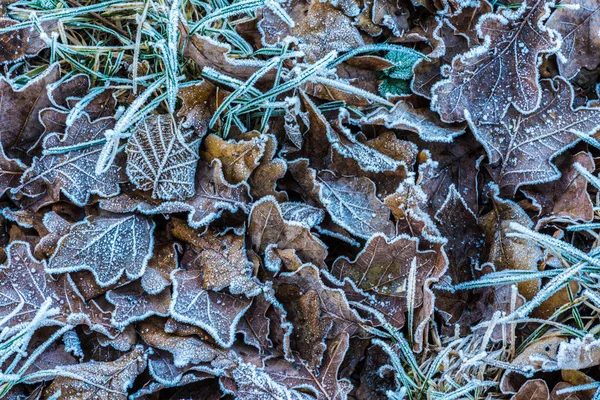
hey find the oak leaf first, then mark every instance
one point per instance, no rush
(522, 147)
(580, 41)
(483, 82)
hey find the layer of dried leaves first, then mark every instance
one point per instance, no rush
(325, 199)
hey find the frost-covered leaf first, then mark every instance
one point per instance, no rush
(522, 146)
(196, 110)
(316, 312)
(323, 382)
(134, 304)
(20, 43)
(239, 158)
(24, 280)
(302, 213)
(207, 52)
(487, 79)
(158, 274)
(352, 204)
(369, 158)
(97, 380)
(578, 23)
(273, 236)
(265, 317)
(567, 197)
(162, 159)
(19, 131)
(73, 171)
(422, 121)
(448, 37)
(10, 172)
(106, 246)
(218, 313)
(510, 252)
(221, 258)
(213, 196)
(445, 165)
(264, 179)
(382, 270)
(185, 349)
(320, 28)
(253, 383)
(579, 353)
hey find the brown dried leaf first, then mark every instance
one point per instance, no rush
(316, 312)
(510, 252)
(221, 258)
(239, 158)
(580, 41)
(486, 80)
(566, 198)
(21, 128)
(522, 147)
(20, 43)
(534, 389)
(271, 235)
(98, 380)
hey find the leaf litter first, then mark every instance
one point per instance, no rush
(291, 199)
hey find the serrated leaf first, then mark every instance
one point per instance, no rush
(486, 80)
(213, 196)
(73, 171)
(218, 313)
(422, 121)
(352, 204)
(109, 247)
(271, 235)
(162, 159)
(522, 147)
(239, 158)
(21, 128)
(134, 304)
(98, 380)
(579, 29)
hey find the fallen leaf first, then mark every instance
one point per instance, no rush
(106, 246)
(534, 389)
(106, 380)
(162, 159)
(239, 158)
(213, 196)
(483, 82)
(510, 252)
(71, 167)
(579, 42)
